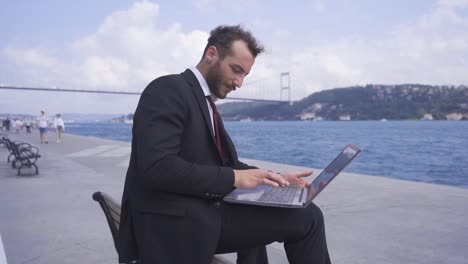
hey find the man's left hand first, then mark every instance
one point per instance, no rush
(296, 178)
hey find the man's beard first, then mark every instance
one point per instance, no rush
(214, 80)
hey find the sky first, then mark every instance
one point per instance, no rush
(122, 45)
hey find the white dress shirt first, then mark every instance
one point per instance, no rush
(206, 91)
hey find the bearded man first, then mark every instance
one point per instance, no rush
(183, 163)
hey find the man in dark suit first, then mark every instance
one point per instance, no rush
(183, 163)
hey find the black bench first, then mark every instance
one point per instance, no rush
(22, 155)
(2, 139)
(111, 211)
(8, 143)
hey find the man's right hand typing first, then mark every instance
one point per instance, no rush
(246, 179)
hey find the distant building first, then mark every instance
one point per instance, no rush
(316, 107)
(427, 117)
(345, 117)
(307, 116)
(454, 116)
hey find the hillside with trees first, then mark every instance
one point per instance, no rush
(370, 102)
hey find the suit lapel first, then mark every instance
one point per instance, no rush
(198, 92)
(200, 97)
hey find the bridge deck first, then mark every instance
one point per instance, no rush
(45, 89)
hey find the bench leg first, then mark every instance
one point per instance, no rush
(37, 169)
(28, 166)
(19, 169)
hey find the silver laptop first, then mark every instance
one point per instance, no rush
(294, 197)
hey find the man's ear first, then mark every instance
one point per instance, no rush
(211, 54)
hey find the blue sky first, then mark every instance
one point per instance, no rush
(123, 45)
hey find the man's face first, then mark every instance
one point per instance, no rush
(225, 75)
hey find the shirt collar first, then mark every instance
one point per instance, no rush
(203, 83)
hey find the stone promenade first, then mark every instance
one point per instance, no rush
(51, 218)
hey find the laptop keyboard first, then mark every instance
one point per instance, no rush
(281, 195)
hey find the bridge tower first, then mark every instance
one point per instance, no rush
(285, 85)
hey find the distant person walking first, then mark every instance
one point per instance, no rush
(59, 127)
(13, 125)
(27, 123)
(7, 124)
(17, 125)
(43, 124)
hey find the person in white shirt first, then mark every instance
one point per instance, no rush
(59, 127)
(15, 125)
(43, 124)
(27, 123)
(19, 125)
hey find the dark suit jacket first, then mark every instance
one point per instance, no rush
(176, 177)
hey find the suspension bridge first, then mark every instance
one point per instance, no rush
(257, 91)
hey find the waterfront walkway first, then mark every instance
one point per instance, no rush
(51, 217)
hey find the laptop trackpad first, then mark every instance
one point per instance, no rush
(249, 194)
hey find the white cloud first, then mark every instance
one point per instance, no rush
(434, 43)
(126, 52)
(454, 3)
(38, 67)
(122, 30)
(212, 7)
(31, 56)
(140, 49)
(130, 48)
(428, 50)
(110, 71)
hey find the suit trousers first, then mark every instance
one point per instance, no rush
(246, 227)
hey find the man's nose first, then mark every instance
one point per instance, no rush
(238, 81)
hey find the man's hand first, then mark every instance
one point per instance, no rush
(246, 179)
(295, 178)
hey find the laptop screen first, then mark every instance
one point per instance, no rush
(335, 167)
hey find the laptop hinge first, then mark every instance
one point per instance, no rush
(302, 194)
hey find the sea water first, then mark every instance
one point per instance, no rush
(425, 151)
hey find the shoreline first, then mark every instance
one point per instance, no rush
(373, 161)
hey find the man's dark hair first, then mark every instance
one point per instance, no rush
(222, 38)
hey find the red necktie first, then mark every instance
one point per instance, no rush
(216, 128)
